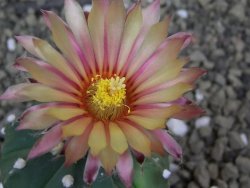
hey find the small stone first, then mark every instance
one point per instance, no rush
(217, 151)
(202, 176)
(173, 167)
(192, 185)
(67, 180)
(11, 44)
(87, 8)
(244, 181)
(229, 171)
(213, 171)
(202, 122)
(166, 173)
(238, 11)
(243, 164)
(19, 164)
(221, 184)
(205, 132)
(178, 127)
(235, 141)
(3, 131)
(197, 56)
(182, 13)
(244, 139)
(199, 96)
(233, 184)
(1, 185)
(224, 122)
(10, 118)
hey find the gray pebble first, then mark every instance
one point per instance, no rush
(217, 151)
(229, 171)
(213, 170)
(243, 164)
(202, 176)
(235, 140)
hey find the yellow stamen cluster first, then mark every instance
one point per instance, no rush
(106, 97)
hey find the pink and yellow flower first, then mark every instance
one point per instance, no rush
(108, 87)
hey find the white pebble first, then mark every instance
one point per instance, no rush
(19, 164)
(87, 8)
(178, 127)
(202, 122)
(182, 13)
(1, 185)
(213, 186)
(67, 180)
(244, 139)
(3, 131)
(166, 173)
(57, 149)
(11, 118)
(199, 96)
(11, 44)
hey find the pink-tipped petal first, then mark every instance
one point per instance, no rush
(151, 14)
(14, 93)
(47, 74)
(66, 42)
(46, 143)
(168, 143)
(43, 116)
(188, 112)
(78, 24)
(91, 169)
(188, 38)
(27, 43)
(124, 168)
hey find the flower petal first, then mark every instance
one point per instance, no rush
(124, 168)
(117, 139)
(46, 143)
(131, 30)
(97, 139)
(165, 95)
(45, 51)
(77, 23)
(164, 55)
(169, 144)
(170, 71)
(136, 139)
(153, 39)
(96, 20)
(148, 123)
(77, 127)
(91, 169)
(114, 26)
(38, 92)
(108, 158)
(45, 115)
(188, 112)
(151, 14)
(46, 74)
(66, 43)
(188, 36)
(77, 147)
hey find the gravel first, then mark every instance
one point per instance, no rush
(216, 149)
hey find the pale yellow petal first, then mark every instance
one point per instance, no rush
(132, 28)
(165, 95)
(136, 139)
(97, 138)
(170, 71)
(76, 128)
(148, 123)
(115, 25)
(44, 93)
(117, 139)
(153, 39)
(53, 57)
(108, 159)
